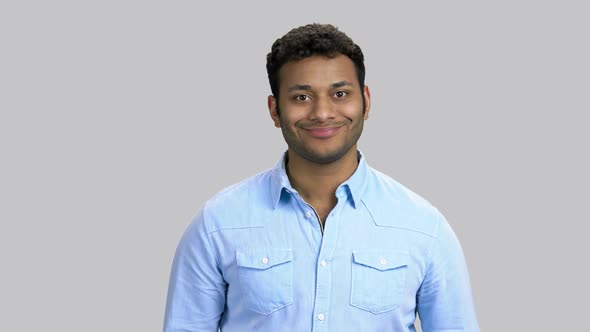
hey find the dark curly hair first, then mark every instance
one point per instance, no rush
(309, 40)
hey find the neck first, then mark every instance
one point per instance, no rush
(317, 183)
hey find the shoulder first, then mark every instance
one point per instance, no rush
(230, 207)
(393, 205)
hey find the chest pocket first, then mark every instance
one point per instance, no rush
(266, 278)
(378, 279)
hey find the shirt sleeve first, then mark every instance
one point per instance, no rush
(444, 300)
(196, 292)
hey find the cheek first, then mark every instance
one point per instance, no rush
(353, 112)
(286, 123)
(287, 118)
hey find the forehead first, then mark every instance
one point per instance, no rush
(317, 71)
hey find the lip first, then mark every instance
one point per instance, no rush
(322, 132)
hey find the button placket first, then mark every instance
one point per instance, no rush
(324, 271)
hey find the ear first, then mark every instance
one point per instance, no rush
(272, 109)
(367, 96)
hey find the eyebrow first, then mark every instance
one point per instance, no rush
(341, 84)
(307, 87)
(296, 87)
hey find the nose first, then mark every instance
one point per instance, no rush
(322, 110)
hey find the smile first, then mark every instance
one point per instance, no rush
(322, 132)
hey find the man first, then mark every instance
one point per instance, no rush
(320, 242)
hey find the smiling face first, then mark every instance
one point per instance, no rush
(321, 110)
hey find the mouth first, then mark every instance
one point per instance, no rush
(323, 132)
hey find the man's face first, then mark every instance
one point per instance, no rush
(321, 107)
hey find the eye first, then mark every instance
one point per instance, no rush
(302, 97)
(340, 94)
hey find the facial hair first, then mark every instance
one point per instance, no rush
(310, 154)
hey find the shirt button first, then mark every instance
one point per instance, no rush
(308, 214)
(383, 261)
(265, 260)
(323, 263)
(321, 317)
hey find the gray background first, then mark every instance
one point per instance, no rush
(120, 118)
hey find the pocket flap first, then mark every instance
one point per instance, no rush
(381, 259)
(263, 259)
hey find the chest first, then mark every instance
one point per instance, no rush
(288, 261)
(298, 238)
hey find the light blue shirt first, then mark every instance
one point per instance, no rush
(255, 258)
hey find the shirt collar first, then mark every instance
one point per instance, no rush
(353, 188)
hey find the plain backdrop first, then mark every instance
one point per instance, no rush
(119, 119)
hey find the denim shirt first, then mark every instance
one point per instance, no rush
(255, 258)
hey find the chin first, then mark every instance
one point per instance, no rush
(327, 157)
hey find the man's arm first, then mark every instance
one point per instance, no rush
(444, 300)
(196, 294)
